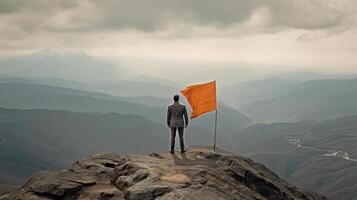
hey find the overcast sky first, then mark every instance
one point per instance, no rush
(306, 33)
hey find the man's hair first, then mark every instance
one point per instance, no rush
(176, 97)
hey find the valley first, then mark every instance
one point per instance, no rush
(311, 154)
(328, 152)
(90, 95)
(300, 125)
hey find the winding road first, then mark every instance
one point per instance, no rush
(340, 154)
(329, 152)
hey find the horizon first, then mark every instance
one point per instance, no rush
(158, 68)
(312, 35)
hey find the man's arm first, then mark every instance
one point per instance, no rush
(168, 116)
(186, 116)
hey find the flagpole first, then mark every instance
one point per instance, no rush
(215, 122)
(215, 131)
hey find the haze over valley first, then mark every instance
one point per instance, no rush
(52, 117)
(79, 78)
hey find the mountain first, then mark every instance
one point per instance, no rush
(56, 82)
(302, 75)
(317, 155)
(198, 174)
(229, 119)
(77, 66)
(315, 100)
(188, 71)
(148, 100)
(31, 96)
(33, 140)
(245, 92)
(134, 87)
(153, 79)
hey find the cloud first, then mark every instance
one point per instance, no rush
(153, 15)
(158, 15)
(266, 31)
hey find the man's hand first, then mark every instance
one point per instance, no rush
(186, 125)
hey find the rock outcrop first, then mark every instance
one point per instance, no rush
(5, 190)
(200, 173)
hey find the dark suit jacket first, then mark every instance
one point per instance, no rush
(176, 113)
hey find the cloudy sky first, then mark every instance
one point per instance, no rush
(319, 34)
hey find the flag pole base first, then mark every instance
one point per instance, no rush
(215, 131)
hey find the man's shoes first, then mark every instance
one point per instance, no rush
(183, 151)
(172, 152)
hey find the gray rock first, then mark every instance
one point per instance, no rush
(144, 191)
(200, 173)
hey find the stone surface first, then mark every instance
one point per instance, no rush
(200, 173)
(5, 190)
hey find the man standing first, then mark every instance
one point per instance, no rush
(176, 113)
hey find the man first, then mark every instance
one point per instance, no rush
(176, 113)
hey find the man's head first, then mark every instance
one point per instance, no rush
(176, 97)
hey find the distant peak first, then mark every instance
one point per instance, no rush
(59, 52)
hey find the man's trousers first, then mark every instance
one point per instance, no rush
(173, 136)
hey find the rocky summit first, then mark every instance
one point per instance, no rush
(200, 173)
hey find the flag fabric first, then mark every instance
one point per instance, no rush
(201, 97)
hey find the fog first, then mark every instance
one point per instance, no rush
(163, 38)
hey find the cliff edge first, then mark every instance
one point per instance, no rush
(200, 173)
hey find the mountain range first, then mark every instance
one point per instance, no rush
(57, 107)
(131, 87)
(33, 140)
(34, 96)
(49, 123)
(319, 155)
(274, 100)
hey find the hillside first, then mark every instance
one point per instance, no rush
(199, 174)
(33, 140)
(56, 82)
(314, 100)
(34, 96)
(321, 156)
(148, 100)
(268, 87)
(133, 87)
(246, 92)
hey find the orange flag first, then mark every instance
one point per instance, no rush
(201, 97)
